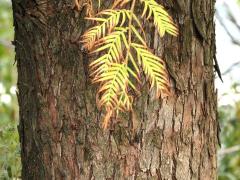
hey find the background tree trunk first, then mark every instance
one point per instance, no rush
(60, 126)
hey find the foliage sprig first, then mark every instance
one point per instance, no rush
(124, 53)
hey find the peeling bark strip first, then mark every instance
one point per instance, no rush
(60, 126)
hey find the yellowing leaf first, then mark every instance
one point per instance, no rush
(119, 39)
(98, 31)
(153, 67)
(162, 20)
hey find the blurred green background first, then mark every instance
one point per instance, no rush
(10, 167)
(227, 29)
(9, 142)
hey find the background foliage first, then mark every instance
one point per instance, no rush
(9, 146)
(229, 155)
(229, 114)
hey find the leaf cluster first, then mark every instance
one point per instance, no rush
(119, 40)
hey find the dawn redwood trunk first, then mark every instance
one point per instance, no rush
(60, 125)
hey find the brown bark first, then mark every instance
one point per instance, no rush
(60, 126)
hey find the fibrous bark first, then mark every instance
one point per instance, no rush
(60, 125)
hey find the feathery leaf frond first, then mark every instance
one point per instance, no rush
(113, 81)
(162, 20)
(113, 44)
(125, 101)
(120, 40)
(107, 24)
(153, 67)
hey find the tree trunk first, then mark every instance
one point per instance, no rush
(60, 125)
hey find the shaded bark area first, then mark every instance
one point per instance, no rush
(60, 125)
